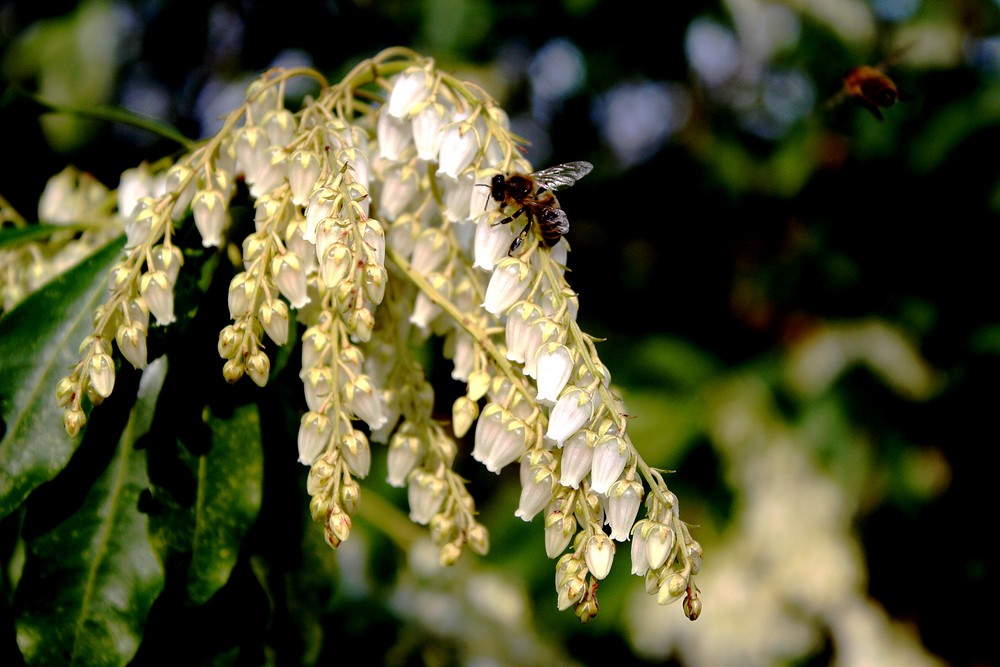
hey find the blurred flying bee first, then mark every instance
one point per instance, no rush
(532, 194)
(871, 88)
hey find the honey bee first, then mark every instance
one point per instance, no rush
(533, 195)
(870, 87)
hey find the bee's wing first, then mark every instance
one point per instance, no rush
(562, 175)
(557, 218)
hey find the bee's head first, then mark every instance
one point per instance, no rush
(498, 187)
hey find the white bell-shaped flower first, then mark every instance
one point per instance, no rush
(559, 530)
(314, 433)
(509, 281)
(459, 145)
(405, 451)
(321, 205)
(659, 544)
(356, 452)
(457, 195)
(134, 184)
(640, 561)
(536, 484)
(577, 458)
(426, 494)
(500, 438)
(553, 367)
(428, 126)
(280, 126)
(210, 216)
(610, 456)
(520, 317)
(158, 293)
(491, 242)
(573, 409)
(394, 136)
(290, 278)
(273, 316)
(599, 555)
(317, 386)
(304, 168)
(624, 498)
(409, 90)
(366, 401)
(131, 339)
(101, 372)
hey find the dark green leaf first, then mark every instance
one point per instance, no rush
(15, 235)
(38, 344)
(229, 494)
(228, 481)
(90, 581)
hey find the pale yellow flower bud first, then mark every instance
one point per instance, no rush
(157, 290)
(273, 317)
(361, 322)
(232, 370)
(449, 554)
(73, 421)
(258, 366)
(600, 553)
(101, 371)
(479, 538)
(65, 390)
(132, 343)
(340, 524)
(463, 412)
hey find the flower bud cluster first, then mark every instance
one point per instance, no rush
(338, 391)
(575, 585)
(140, 285)
(666, 556)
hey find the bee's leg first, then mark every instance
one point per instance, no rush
(515, 244)
(518, 240)
(524, 230)
(522, 236)
(510, 218)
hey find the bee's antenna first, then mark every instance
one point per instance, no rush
(487, 202)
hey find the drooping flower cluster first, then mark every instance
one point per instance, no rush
(375, 228)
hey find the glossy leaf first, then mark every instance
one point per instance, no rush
(228, 482)
(90, 581)
(12, 236)
(229, 495)
(38, 343)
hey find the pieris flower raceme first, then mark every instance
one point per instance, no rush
(375, 227)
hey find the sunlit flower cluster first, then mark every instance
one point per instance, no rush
(375, 230)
